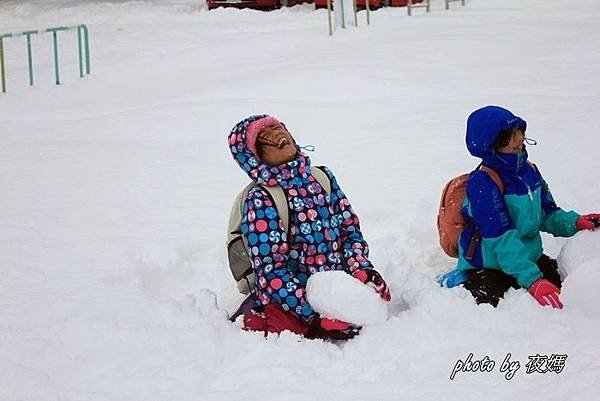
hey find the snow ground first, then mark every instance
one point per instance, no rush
(116, 189)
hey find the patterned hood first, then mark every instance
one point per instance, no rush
(288, 175)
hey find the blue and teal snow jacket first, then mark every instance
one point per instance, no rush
(508, 224)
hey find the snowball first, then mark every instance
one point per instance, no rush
(579, 264)
(578, 250)
(337, 295)
(580, 289)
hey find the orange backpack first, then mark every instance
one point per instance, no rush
(450, 221)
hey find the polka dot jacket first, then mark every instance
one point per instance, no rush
(324, 232)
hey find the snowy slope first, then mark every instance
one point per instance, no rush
(116, 189)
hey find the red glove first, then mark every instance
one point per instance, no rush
(546, 293)
(588, 222)
(331, 329)
(373, 279)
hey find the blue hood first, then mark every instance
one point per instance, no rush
(483, 127)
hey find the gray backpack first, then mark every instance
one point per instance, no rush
(240, 263)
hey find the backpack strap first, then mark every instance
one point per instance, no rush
(477, 235)
(494, 176)
(322, 177)
(237, 245)
(281, 205)
(245, 277)
(233, 227)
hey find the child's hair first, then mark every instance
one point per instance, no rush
(503, 139)
(260, 151)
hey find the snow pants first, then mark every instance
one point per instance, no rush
(268, 319)
(273, 319)
(488, 286)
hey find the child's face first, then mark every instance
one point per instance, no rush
(515, 144)
(275, 145)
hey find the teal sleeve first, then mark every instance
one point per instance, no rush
(556, 221)
(560, 223)
(512, 257)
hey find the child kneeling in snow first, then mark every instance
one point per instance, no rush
(323, 234)
(500, 246)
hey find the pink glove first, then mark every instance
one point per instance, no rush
(588, 222)
(546, 293)
(374, 279)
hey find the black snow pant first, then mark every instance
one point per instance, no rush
(489, 285)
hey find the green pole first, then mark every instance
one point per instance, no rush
(355, 13)
(329, 17)
(87, 49)
(79, 50)
(3, 72)
(30, 60)
(29, 55)
(368, 14)
(55, 39)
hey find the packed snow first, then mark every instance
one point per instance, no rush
(337, 295)
(114, 283)
(579, 263)
(578, 251)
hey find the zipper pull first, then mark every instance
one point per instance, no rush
(308, 148)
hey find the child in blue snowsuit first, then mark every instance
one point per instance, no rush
(501, 246)
(324, 232)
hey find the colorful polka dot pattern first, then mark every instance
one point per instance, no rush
(324, 232)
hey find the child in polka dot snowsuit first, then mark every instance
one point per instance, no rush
(324, 231)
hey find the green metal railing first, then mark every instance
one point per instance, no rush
(83, 51)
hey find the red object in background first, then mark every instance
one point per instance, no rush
(403, 3)
(373, 4)
(266, 5)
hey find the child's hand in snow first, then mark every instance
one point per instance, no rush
(546, 293)
(372, 278)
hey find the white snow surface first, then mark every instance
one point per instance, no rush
(338, 295)
(579, 263)
(115, 191)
